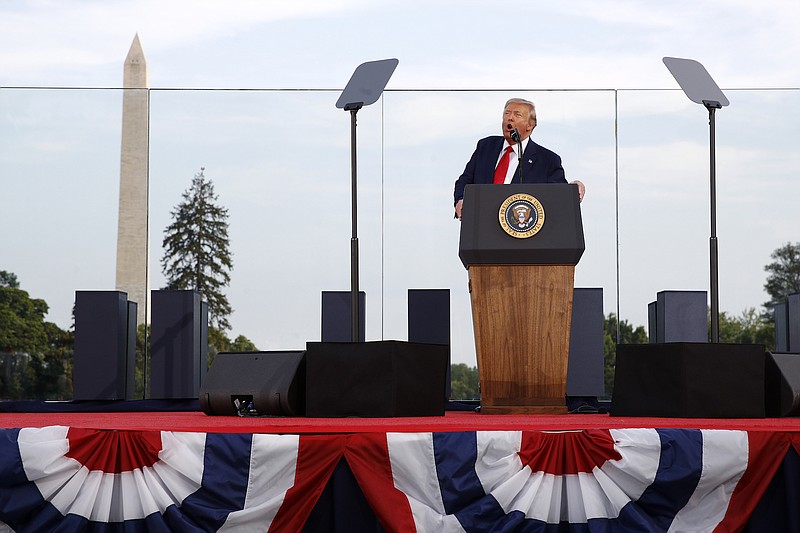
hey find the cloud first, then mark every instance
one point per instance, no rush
(42, 41)
(250, 43)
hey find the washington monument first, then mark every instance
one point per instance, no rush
(133, 261)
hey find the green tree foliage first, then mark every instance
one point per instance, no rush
(196, 249)
(749, 328)
(627, 335)
(464, 382)
(142, 377)
(22, 326)
(35, 355)
(8, 279)
(242, 344)
(783, 274)
(219, 342)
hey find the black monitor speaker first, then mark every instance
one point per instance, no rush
(255, 384)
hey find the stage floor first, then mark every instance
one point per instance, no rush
(462, 471)
(452, 421)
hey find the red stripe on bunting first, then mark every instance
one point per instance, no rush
(113, 452)
(368, 457)
(317, 457)
(560, 454)
(766, 452)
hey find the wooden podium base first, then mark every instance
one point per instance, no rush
(523, 409)
(522, 316)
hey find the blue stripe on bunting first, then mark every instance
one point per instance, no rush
(21, 503)
(226, 472)
(679, 469)
(11, 472)
(455, 455)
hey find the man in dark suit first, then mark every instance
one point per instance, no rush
(537, 164)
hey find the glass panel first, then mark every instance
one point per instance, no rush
(59, 154)
(429, 138)
(665, 207)
(280, 164)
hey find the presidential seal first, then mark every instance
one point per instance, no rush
(521, 216)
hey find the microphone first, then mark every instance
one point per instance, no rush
(514, 134)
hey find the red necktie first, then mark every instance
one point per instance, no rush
(502, 167)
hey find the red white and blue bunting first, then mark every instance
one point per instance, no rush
(68, 479)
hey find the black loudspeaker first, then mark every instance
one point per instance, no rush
(105, 346)
(783, 384)
(793, 316)
(781, 316)
(678, 316)
(177, 338)
(375, 379)
(585, 362)
(255, 383)
(337, 316)
(429, 321)
(690, 380)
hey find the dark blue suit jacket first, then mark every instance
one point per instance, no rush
(539, 165)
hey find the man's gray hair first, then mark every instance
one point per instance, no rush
(532, 112)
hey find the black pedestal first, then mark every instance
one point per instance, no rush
(375, 379)
(689, 380)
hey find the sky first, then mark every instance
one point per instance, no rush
(266, 129)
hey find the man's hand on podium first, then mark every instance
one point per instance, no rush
(581, 189)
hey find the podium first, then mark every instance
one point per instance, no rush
(520, 244)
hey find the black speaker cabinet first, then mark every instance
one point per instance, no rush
(105, 346)
(429, 321)
(781, 317)
(177, 338)
(793, 312)
(337, 316)
(689, 380)
(585, 363)
(255, 383)
(679, 316)
(783, 384)
(375, 379)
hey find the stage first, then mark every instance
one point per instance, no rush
(464, 471)
(195, 421)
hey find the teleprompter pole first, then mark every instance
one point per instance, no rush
(364, 88)
(354, 307)
(712, 106)
(700, 88)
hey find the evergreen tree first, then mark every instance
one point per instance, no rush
(196, 249)
(784, 272)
